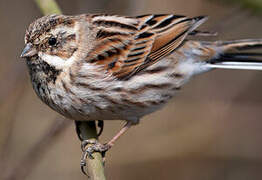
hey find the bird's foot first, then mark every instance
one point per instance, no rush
(89, 147)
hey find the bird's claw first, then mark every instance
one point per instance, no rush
(84, 143)
(83, 165)
(95, 146)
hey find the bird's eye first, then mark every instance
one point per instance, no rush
(52, 41)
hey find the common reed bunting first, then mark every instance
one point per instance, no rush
(108, 67)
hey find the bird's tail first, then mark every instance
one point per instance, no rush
(240, 54)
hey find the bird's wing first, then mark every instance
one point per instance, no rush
(126, 45)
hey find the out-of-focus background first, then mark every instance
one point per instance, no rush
(211, 131)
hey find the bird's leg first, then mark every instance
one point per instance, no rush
(100, 124)
(120, 133)
(98, 147)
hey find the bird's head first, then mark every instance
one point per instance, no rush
(52, 39)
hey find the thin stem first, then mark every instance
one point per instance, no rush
(95, 168)
(48, 7)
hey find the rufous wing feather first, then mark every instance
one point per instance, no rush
(126, 45)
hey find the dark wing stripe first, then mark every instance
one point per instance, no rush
(114, 23)
(139, 48)
(105, 34)
(135, 54)
(160, 21)
(151, 22)
(172, 25)
(138, 56)
(155, 19)
(106, 52)
(142, 42)
(113, 52)
(168, 21)
(112, 64)
(132, 60)
(109, 43)
(145, 35)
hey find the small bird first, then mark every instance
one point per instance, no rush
(108, 67)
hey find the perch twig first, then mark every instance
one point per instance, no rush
(48, 7)
(95, 167)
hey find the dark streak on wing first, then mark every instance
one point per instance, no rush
(132, 60)
(145, 35)
(104, 34)
(153, 20)
(108, 51)
(114, 23)
(139, 48)
(112, 64)
(168, 21)
(135, 54)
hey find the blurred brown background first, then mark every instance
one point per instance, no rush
(211, 131)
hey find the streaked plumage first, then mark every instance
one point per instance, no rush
(106, 67)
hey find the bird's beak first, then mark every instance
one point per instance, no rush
(28, 51)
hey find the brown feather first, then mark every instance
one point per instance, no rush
(165, 37)
(151, 39)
